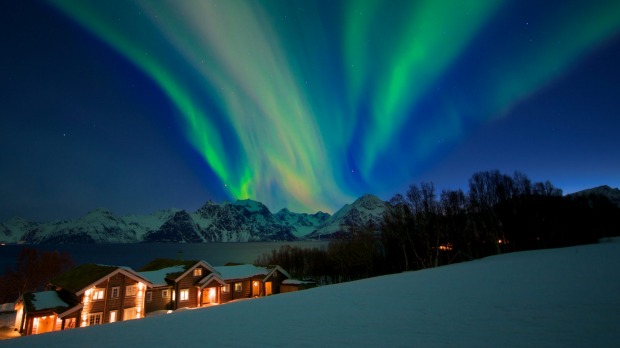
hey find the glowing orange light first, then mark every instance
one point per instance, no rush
(445, 247)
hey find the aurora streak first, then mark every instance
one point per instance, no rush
(306, 105)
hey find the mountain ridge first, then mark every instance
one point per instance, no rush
(240, 221)
(611, 193)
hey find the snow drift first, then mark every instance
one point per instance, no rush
(566, 297)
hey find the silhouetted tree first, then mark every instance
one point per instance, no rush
(33, 272)
(357, 253)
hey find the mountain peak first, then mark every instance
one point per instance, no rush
(369, 202)
(99, 211)
(613, 194)
(251, 205)
(368, 209)
(241, 221)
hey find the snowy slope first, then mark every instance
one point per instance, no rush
(143, 224)
(301, 224)
(548, 298)
(241, 221)
(97, 226)
(368, 208)
(11, 231)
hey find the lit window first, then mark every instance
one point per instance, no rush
(226, 288)
(95, 319)
(184, 295)
(113, 316)
(98, 294)
(238, 287)
(70, 323)
(115, 292)
(165, 294)
(197, 272)
(130, 313)
(131, 290)
(149, 296)
(445, 247)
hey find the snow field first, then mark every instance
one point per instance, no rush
(566, 297)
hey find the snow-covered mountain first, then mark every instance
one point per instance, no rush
(98, 226)
(301, 224)
(613, 194)
(366, 209)
(13, 229)
(240, 221)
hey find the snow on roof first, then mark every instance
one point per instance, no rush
(7, 307)
(297, 282)
(212, 276)
(158, 277)
(47, 300)
(240, 271)
(202, 263)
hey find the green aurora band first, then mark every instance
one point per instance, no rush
(275, 95)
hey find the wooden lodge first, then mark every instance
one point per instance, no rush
(198, 284)
(95, 294)
(83, 296)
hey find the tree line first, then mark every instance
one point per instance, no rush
(422, 228)
(32, 272)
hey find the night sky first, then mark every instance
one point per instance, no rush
(144, 105)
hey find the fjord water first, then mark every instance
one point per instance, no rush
(136, 255)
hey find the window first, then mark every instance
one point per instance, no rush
(238, 287)
(165, 294)
(130, 313)
(131, 290)
(98, 294)
(95, 319)
(149, 296)
(113, 316)
(197, 272)
(226, 288)
(115, 292)
(184, 294)
(70, 323)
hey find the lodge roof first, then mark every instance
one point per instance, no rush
(240, 271)
(36, 301)
(160, 263)
(158, 277)
(79, 278)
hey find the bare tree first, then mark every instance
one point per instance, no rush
(33, 272)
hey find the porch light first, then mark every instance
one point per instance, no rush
(255, 283)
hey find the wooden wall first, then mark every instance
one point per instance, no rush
(158, 300)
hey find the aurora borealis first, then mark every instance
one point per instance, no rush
(309, 104)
